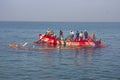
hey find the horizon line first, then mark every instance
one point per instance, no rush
(68, 21)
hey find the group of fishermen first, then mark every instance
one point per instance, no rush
(79, 35)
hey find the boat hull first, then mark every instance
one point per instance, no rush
(67, 42)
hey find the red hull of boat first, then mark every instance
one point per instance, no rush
(73, 43)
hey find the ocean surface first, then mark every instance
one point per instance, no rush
(83, 64)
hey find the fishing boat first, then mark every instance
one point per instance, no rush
(51, 42)
(69, 43)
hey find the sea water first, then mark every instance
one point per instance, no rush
(81, 64)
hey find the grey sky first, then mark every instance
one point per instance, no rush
(60, 10)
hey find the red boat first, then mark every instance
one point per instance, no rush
(48, 39)
(50, 42)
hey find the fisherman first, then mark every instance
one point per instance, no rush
(52, 33)
(61, 35)
(48, 32)
(93, 36)
(71, 35)
(77, 35)
(85, 34)
(81, 36)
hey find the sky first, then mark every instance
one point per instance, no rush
(60, 10)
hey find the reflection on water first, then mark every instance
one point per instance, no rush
(69, 57)
(84, 57)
